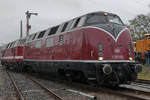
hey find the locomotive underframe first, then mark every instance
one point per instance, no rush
(122, 72)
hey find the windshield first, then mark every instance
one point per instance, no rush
(96, 18)
(101, 18)
(114, 19)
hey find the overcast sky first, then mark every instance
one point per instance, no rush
(52, 12)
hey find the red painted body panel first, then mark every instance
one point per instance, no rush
(95, 36)
(71, 48)
(13, 54)
(79, 44)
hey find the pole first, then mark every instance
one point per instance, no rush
(27, 25)
(21, 35)
(28, 15)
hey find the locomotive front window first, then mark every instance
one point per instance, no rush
(102, 18)
(115, 19)
(96, 18)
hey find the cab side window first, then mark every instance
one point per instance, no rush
(78, 22)
(82, 21)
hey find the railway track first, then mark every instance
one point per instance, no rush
(140, 89)
(21, 94)
(122, 93)
(7, 90)
(67, 93)
(45, 88)
(138, 86)
(98, 91)
(18, 92)
(94, 93)
(143, 81)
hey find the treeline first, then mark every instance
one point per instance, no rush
(139, 26)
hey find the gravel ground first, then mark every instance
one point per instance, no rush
(29, 89)
(7, 91)
(60, 89)
(32, 91)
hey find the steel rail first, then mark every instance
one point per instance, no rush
(45, 88)
(138, 87)
(18, 92)
(124, 94)
(98, 90)
(143, 81)
(120, 93)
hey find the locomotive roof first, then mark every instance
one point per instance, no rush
(16, 42)
(69, 21)
(100, 12)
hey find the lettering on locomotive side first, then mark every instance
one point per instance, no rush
(117, 57)
(117, 50)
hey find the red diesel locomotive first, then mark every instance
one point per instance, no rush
(94, 47)
(12, 55)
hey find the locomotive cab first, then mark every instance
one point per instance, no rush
(110, 46)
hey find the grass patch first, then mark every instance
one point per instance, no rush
(145, 74)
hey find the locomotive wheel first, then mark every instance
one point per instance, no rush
(61, 74)
(28, 69)
(75, 76)
(69, 75)
(7, 67)
(79, 76)
(20, 68)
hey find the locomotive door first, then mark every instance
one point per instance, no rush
(67, 43)
(70, 46)
(13, 53)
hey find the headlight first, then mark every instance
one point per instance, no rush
(130, 58)
(100, 58)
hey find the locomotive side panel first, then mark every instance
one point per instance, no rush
(65, 48)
